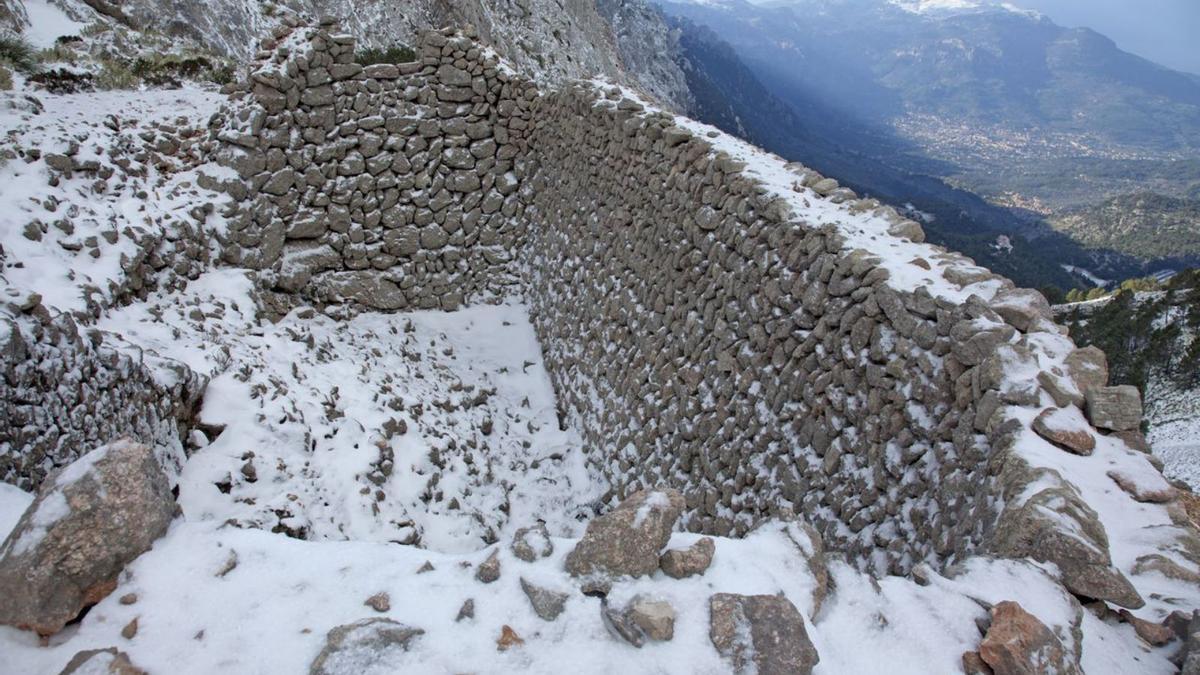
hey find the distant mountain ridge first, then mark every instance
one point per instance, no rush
(1042, 121)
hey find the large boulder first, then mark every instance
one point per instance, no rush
(87, 523)
(1017, 643)
(1055, 525)
(356, 647)
(627, 540)
(1021, 308)
(1088, 367)
(1114, 408)
(761, 634)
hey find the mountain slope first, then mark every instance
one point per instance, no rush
(947, 101)
(800, 127)
(1152, 342)
(1144, 224)
(548, 39)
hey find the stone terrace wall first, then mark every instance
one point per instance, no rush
(709, 343)
(64, 392)
(387, 186)
(704, 336)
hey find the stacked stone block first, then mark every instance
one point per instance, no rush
(747, 359)
(63, 391)
(388, 186)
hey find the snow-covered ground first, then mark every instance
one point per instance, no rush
(427, 427)
(270, 612)
(64, 235)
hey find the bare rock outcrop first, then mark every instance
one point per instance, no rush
(1038, 529)
(87, 523)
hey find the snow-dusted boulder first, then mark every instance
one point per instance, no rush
(110, 661)
(356, 647)
(627, 541)
(1066, 428)
(1115, 408)
(1055, 525)
(1017, 643)
(761, 634)
(1088, 367)
(1021, 307)
(86, 524)
(531, 543)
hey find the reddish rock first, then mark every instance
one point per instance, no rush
(1017, 643)
(1154, 633)
(508, 639)
(1066, 428)
(1158, 491)
(973, 664)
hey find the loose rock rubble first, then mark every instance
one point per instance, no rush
(94, 661)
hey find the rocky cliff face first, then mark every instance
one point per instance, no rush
(552, 41)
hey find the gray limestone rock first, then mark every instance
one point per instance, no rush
(88, 522)
(1088, 367)
(547, 603)
(1055, 525)
(690, 561)
(1021, 307)
(762, 634)
(627, 540)
(1115, 408)
(531, 543)
(355, 647)
(489, 570)
(655, 617)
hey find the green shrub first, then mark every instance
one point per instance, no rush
(18, 54)
(170, 69)
(115, 74)
(397, 53)
(59, 53)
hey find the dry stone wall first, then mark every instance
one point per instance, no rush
(703, 335)
(63, 391)
(388, 186)
(711, 343)
(709, 339)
